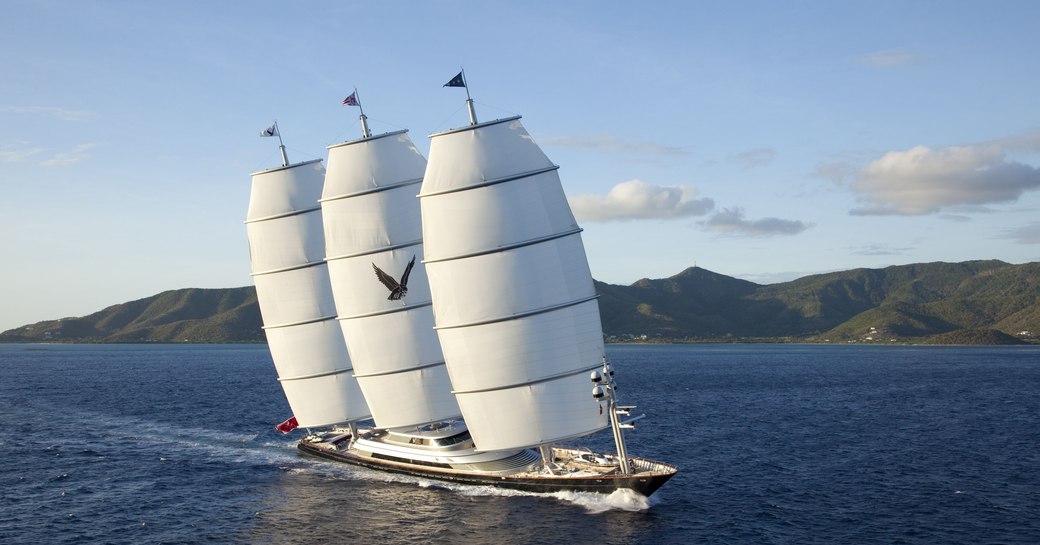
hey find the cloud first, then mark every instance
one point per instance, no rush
(49, 111)
(924, 181)
(892, 57)
(635, 199)
(960, 218)
(839, 172)
(1028, 142)
(882, 249)
(11, 154)
(758, 157)
(75, 155)
(1028, 234)
(731, 221)
(610, 144)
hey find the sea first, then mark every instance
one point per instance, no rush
(798, 444)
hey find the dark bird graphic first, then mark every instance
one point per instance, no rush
(397, 289)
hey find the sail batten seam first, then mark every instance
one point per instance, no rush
(535, 312)
(396, 371)
(512, 246)
(372, 190)
(290, 268)
(493, 181)
(376, 250)
(288, 214)
(565, 374)
(317, 375)
(301, 322)
(388, 311)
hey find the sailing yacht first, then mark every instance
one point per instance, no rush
(469, 315)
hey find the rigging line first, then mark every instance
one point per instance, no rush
(289, 166)
(385, 122)
(301, 152)
(496, 108)
(445, 120)
(340, 137)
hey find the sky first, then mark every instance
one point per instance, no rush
(761, 140)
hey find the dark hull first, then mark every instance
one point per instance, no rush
(645, 484)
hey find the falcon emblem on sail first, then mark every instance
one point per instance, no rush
(397, 289)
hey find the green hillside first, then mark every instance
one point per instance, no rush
(187, 315)
(907, 302)
(953, 303)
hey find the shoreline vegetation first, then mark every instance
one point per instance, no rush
(968, 303)
(959, 338)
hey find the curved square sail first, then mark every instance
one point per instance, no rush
(373, 238)
(287, 250)
(513, 296)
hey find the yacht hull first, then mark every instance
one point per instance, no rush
(648, 476)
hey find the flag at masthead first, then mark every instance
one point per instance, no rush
(460, 81)
(353, 100)
(273, 131)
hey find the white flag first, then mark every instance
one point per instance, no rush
(270, 131)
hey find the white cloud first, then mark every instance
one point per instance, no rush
(636, 199)
(924, 181)
(75, 155)
(49, 111)
(14, 154)
(892, 57)
(731, 221)
(610, 144)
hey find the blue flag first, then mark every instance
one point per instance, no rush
(456, 81)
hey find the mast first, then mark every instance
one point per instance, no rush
(281, 146)
(374, 249)
(469, 101)
(286, 249)
(608, 390)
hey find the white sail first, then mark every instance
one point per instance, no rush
(287, 250)
(513, 296)
(371, 218)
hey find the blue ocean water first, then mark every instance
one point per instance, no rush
(776, 444)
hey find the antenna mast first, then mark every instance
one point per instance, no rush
(363, 118)
(469, 100)
(281, 145)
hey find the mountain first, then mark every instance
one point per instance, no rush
(187, 315)
(902, 302)
(956, 303)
